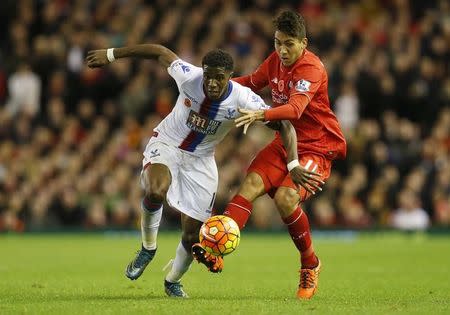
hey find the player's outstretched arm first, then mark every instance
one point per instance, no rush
(101, 57)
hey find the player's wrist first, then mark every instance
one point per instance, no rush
(293, 164)
(110, 54)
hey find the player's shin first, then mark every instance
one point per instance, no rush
(181, 263)
(239, 209)
(150, 219)
(298, 226)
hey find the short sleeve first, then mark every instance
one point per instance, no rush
(252, 101)
(183, 71)
(306, 80)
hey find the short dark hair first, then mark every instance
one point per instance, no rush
(290, 23)
(218, 58)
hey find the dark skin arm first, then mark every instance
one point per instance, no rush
(98, 58)
(299, 175)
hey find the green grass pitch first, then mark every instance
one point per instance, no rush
(84, 274)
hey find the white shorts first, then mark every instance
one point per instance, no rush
(194, 179)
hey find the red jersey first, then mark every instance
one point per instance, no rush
(303, 90)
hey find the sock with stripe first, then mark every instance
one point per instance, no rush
(150, 219)
(298, 226)
(239, 209)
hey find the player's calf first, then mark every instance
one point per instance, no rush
(137, 266)
(213, 263)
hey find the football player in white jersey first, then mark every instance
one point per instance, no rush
(178, 164)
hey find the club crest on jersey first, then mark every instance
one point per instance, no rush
(231, 113)
(187, 102)
(202, 124)
(302, 85)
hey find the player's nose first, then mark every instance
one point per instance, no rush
(211, 84)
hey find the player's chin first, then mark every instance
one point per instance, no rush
(213, 95)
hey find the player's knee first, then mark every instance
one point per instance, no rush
(156, 196)
(286, 200)
(252, 187)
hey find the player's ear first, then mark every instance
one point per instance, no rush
(304, 42)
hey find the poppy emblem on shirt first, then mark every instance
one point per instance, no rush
(281, 86)
(187, 102)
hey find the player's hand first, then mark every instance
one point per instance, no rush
(309, 180)
(248, 117)
(97, 58)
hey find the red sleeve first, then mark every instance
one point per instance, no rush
(290, 111)
(307, 80)
(258, 79)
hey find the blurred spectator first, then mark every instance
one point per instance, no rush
(410, 216)
(24, 88)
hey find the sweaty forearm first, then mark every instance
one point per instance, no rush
(289, 137)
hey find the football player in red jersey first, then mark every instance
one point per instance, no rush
(299, 85)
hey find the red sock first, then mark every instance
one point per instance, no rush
(239, 209)
(298, 226)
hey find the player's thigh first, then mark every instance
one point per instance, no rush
(195, 192)
(159, 167)
(311, 162)
(270, 165)
(157, 178)
(190, 229)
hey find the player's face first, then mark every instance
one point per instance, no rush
(289, 48)
(215, 81)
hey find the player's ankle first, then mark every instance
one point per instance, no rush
(310, 262)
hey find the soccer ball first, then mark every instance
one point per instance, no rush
(219, 235)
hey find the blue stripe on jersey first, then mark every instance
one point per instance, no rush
(209, 109)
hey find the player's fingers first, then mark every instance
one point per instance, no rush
(312, 173)
(308, 188)
(245, 128)
(243, 110)
(312, 184)
(243, 122)
(315, 179)
(242, 118)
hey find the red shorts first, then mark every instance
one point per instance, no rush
(271, 165)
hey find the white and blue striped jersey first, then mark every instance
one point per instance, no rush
(197, 124)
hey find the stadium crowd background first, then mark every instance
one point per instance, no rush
(71, 138)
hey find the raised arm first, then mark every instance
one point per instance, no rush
(101, 57)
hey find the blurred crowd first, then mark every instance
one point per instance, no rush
(71, 138)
